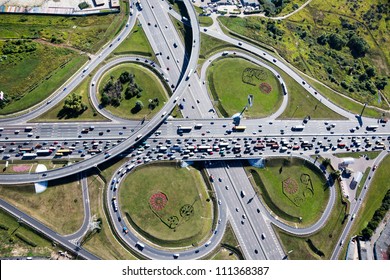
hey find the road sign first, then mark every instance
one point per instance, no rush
(250, 100)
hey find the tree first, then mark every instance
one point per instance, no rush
(380, 83)
(126, 77)
(358, 46)
(73, 104)
(322, 40)
(138, 107)
(335, 174)
(105, 100)
(370, 72)
(326, 162)
(336, 42)
(367, 233)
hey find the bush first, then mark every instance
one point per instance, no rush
(336, 42)
(3, 227)
(25, 239)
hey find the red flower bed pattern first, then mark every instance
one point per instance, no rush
(290, 186)
(158, 201)
(265, 87)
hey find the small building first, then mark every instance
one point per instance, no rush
(356, 179)
(100, 2)
(115, 4)
(252, 3)
(347, 161)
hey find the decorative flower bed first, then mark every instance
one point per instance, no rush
(158, 201)
(290, 186)
(265, 88)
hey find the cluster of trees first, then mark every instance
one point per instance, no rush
(18, 46)
(357, 45)
(378, 217)
(271, 27)
(112, 91)
(154, 103)
(274, 7)
(365, 78)
(73, 105)
(375, 14)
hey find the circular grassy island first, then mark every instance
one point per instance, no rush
(169, 206)
(294, 190)
(231, 80)
(144, 87)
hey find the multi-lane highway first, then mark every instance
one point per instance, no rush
(209, 138)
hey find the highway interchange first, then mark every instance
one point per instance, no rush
(158, 139)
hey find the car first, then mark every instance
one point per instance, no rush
(219, 202)
(227, 187)
(205, 29)
(374, 167)
(239, 43)
(263, 235)
(44, 174)
(220, 179)
(237, 209)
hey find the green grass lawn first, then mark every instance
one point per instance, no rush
(347, 104)
(289, 193)
(226, 78)
(205, 21)
(230, 249)
(97, 244)
(370, 154)
(147, 80)
(372, 201)
(295, 39)
(324, 240)
(12, 246)
(135, 43)
(88, 33)
(361, 183)
(210, 45)
(29, 78)
(182, 187)
(88, 115)
(60, 207)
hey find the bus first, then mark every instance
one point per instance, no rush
(181, 129)
(25, 150)
(64, 151)
(189, 74)
(239, 128)
(43, 152)
(96, 151)
(298, 128)
(131, 166)
(203, 147)
(29, 155)
(372, 127)
(284, 89)
(198, 126)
